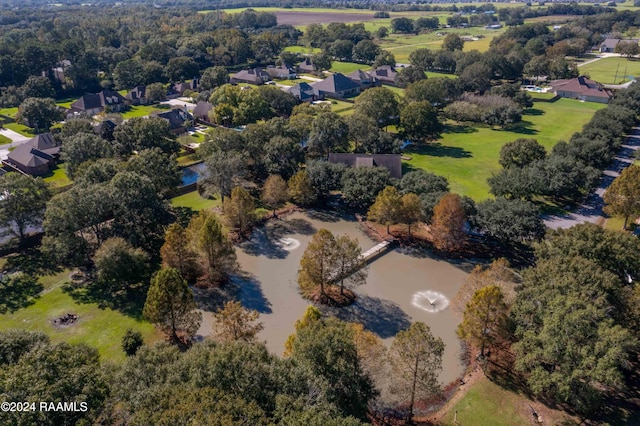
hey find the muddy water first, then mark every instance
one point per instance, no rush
(384, 303)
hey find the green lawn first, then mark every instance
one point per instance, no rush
(142, 110)
(605, 70)
(66, 103)
(194, 201)
(9, 112)
(101, 328)
(4, 140)
(57, 177)
(188, 159)
(303, 49)
(341, 107)
(20, 128)
(467, 156)
(348, 67)
(487, 404)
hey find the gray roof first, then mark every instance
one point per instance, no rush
(307, 65)
(385, 72)
(392, 162)
(97, 100)
(176, 117)
(335, 83)
(360, 76)
(137, 92)
(202, 109)
(37, 151)
(302, 91)
(256, 75)
(610, 43)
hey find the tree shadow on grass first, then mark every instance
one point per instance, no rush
(380, 316)
(436, 149)
(533, 111)
(459, 128)
(523, 128)
(18, 292)
(32, 262)
(129, 303)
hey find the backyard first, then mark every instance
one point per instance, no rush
(194, 201)
(612, 70)
(468, 155)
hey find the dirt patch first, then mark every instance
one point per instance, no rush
(306, 18)
(332, 296)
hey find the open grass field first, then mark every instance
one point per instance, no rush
(467, 156)
(612, 70)
(194, 201)
(9, 112)
(341, 107)
(57, 177)
(21, 128)
(100, 328)
(348, 67)
(143, 110)
(487, 404)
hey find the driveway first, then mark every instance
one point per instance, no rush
(591, 209)
(16, 138)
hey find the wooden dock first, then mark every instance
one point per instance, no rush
(376, 251)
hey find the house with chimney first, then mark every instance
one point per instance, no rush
(385, 74)
(94, 103)
(281, 72)
(364, 79)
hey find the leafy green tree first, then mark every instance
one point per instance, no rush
(177, 252)
(214, 77)
(409, 75)
(485, 318)
(411, 211)
(325, 176)
(23, 202)
(329, 133)
(317, 265)
(447, 228)
(384, 58)
(181, 68)
(54, 373)
(328, 349)
(283, 155)
(170, 306)
(83, 147)
(416, 359)
(439, 91)
(38, 113)
(131, 342)
(15, 343)
(17, 291)
(379, 103)
(419, 120)
(568, 344)
(120, 268)
(73, 126)
(521, 152)
(422, 58)
(422, 182)
(160, 168)
(239, 211)
(140, 133)
(140, 215)
(234, 323)
(155, 92)
(275, 192)
(38, 87)
(387, 208)
(224, 171)
(623, 195)
(452, 42)
(351, 269)
(215, 249)
(129, 74)
(301, 189)
(281, 102)
(322, 61)
(365, 51)
(509, 220)
(98, 171)
(361, 185)
(363, 130)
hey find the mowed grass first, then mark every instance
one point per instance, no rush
(143, 110)
(100, 328)
(487, 404)
(612, 70)
(57, 177)
(194, 201)
(348, 67)
(21, 128)
(467, 156)
(4, 140)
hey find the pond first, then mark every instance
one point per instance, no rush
(398, 289)
(192, 173)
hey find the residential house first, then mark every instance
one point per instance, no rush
(201, 111)
(391, 162)
(306, 66)
(36, 156)
(105, 129)
(179, 88)
(94, 103)
(609, 44)
(385, 74)
(303, 92)
(337, 86)
(176, 118)
(138, 96)
(364, 79)
(281, 72)
(581, 88)
(255, 76)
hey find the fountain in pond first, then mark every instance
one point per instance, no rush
(288, 244)
(430, 301)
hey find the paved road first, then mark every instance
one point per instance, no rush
(591, 209)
